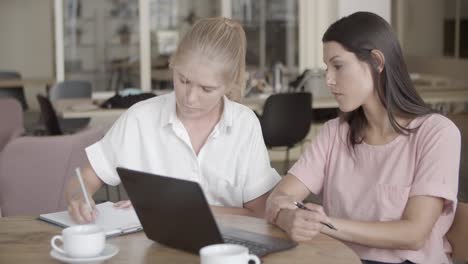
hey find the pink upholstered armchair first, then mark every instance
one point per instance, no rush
(35, 170)
(11, 120)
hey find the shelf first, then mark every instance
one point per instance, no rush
(87, 72)
(84, 19)
(130, 18)
(122, 45)
(90, 45)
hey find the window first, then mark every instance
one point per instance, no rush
(101, 42)
(272, 31)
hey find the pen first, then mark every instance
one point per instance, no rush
(301, 206)
(83, 188)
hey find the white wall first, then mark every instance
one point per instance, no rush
(380, 7)
(315, 16)
(26, 43)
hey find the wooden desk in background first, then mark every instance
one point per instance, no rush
(70, 108)
(82, 108)
(26, 240)
(20, 83)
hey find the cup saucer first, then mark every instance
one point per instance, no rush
(108, 252)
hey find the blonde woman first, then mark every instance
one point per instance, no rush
(198, 132)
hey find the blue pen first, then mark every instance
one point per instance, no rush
(301, 206)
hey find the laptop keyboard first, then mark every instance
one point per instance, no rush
(254, 248)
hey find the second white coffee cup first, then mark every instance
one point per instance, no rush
(81, 241)
(226, 254)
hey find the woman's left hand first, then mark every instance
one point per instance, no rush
(275, 203)
(303, 225)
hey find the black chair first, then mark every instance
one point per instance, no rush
(14, 92)
(49, 116)
(286, 120)
(72, 89)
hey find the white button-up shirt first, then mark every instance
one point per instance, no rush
(232, 167)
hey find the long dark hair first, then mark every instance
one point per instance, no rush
(360, 33)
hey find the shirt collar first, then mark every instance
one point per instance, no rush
(170, 117)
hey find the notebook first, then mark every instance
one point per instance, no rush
(114, 221)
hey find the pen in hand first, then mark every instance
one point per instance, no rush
(301, 206)
(83, 188)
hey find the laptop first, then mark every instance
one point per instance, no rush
(175, 213)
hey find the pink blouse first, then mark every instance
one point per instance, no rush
(376, 181)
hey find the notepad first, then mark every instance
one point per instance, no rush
(114, 221)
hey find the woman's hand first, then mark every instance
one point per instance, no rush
(80, 211)
(123, 204)
(302, 225)
(275, 203)
(283, 196)
(77, 208)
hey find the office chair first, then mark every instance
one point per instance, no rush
(14, 92)
(51, 122)
(49, 116)
(286, 120)
(72, 89)
(54, 128)
(35, 170)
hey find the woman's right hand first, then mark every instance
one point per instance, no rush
(80, 211)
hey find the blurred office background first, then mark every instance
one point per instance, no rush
(124, 45)
(114, 45)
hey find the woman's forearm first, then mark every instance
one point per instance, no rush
(90, 179)
(410, 232)
(401, 234)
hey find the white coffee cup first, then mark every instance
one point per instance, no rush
(226, 254)
(81, 241)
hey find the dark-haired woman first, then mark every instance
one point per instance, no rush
(387, 168)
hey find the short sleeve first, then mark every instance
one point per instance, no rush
(438, 164)
(310, 168)
(261, 177)
(104, 154)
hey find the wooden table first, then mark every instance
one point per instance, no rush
(20, 83)
(66, 108)
(26, 240)
(81, 108)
